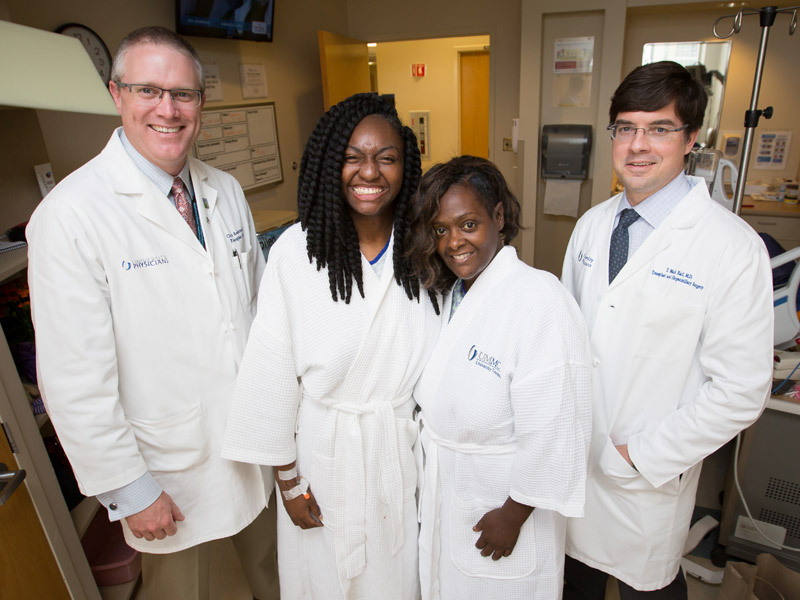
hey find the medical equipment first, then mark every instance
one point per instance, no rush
(718, 190)
(787, 324)
(710, 165)
(767, 16)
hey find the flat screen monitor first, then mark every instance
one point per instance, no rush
(236, 19)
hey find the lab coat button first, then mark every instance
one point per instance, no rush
(113, 506)
(595, 362)
(232, 325)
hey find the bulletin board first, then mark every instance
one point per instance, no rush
(242, 141)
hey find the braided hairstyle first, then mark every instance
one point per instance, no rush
(322, 208)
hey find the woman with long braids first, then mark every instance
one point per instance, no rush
(341, 336)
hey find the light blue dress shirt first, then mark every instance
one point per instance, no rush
(653, 210)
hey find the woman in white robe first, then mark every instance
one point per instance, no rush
(505, 398)
(324, 393)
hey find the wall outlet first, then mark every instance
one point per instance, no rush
(507, 145)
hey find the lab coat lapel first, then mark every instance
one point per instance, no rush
(685, 214)
(206, 198)
(127, 180)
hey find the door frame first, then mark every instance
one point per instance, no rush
(41, 482)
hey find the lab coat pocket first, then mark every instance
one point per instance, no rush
(617, 468)
(174, 443)
(241, 275)
(463, 515)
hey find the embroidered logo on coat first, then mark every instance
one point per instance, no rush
(585, 259)
(143, 263)
(483, 360)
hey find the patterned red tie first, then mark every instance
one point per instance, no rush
(184, 204)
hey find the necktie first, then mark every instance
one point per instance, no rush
(618, 254)
(183, 203)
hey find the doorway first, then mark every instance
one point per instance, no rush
(474, 102)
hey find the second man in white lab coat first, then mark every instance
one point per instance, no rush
(677, 295)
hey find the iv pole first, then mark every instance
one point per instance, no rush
(767, 16)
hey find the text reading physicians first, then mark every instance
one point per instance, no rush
(677, 295)
(143, 269)
(505, 398)
(341, 336)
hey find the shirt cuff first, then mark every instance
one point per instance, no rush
(132, 498)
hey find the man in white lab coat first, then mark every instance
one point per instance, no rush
(143, 270)
(679, 310)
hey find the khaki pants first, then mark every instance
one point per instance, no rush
(185, 575)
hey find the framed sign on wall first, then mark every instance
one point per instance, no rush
(242, 141)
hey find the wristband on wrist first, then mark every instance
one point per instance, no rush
(301, 489)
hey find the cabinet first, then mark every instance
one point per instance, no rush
(62, 528)
(778, 219)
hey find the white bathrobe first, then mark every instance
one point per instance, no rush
(330, 384)
(505, 412)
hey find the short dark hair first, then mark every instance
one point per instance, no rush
(160, 36)
(331, 236)
(652, 87)
(486, 181)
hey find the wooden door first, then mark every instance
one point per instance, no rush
(474, 97)
(28, 568)
(345, 67)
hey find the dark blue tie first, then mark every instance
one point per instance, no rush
(618, 253)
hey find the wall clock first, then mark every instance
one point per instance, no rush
(93, 44)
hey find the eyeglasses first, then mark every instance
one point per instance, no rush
(150, 94)
(625, 132)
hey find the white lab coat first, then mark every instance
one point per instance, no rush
(682, 350)
(340, 376)
(139, 335)
(506, 412)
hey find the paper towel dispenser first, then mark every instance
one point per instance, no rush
(565, 151)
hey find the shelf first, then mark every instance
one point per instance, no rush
(83, 514)
(12, 262)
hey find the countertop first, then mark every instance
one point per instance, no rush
(769, 208)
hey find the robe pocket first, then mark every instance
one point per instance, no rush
(407, 435)
(321, 476)
(463, 515)
(174, 443)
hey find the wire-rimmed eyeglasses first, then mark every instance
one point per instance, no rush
(623, 131)
(151, 94)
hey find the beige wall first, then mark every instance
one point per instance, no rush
(780, 86)
(419, 19)
(437, 92)
(623, 34)
(291, 63)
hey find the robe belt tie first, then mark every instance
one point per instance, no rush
(430, 499)
(350, 492)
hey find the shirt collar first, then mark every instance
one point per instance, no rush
(656, 208)
(160, 178)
